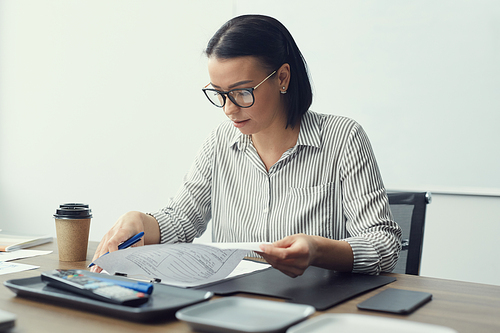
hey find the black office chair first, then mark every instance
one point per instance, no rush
(408, 209)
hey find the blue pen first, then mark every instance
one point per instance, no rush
(143, 287)
(128, 243)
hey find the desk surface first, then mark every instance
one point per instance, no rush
(466, 307)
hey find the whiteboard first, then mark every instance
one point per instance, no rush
(421, 77)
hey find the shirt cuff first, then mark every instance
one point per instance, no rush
(366, 257)
(165, 226)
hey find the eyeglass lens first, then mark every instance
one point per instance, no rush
(240, 97)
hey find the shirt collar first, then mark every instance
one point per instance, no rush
(310, 130)
(240, 140)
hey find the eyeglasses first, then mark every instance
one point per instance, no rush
(242, 97)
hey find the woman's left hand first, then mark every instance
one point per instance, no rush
(291, 255)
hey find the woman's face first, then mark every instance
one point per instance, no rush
(267, 113)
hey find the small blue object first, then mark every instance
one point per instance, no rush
(131, 241)
(128, 243)
(143, 287)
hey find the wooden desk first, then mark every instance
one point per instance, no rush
(466, 307)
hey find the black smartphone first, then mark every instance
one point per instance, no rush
(398, 301)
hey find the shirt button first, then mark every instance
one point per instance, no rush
(266, 210)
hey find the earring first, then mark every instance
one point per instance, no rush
(283, 91)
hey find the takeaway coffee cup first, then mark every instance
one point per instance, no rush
(72, 229)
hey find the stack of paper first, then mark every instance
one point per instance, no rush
(10, 249)
(15, 242)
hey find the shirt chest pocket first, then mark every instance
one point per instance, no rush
(309, 210)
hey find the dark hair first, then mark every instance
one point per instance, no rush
(268, 40)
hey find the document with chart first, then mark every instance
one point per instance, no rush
(182, 264)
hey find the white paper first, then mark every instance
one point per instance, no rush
(242, 246)
(247, 267)
(20, 254)
(182, 264)
(9, 267)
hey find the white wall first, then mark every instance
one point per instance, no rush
(461, 238)
(100, 102)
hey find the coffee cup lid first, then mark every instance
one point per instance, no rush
(74, 205)
(73, 212)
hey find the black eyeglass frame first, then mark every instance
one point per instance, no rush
(225, 94)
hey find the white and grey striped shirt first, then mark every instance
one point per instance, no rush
(327, 185)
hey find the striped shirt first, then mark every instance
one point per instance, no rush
(328, 185)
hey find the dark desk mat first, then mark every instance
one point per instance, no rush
(318, 287)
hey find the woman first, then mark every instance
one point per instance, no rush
(276, 171)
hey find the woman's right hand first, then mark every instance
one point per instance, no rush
(128, 225)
